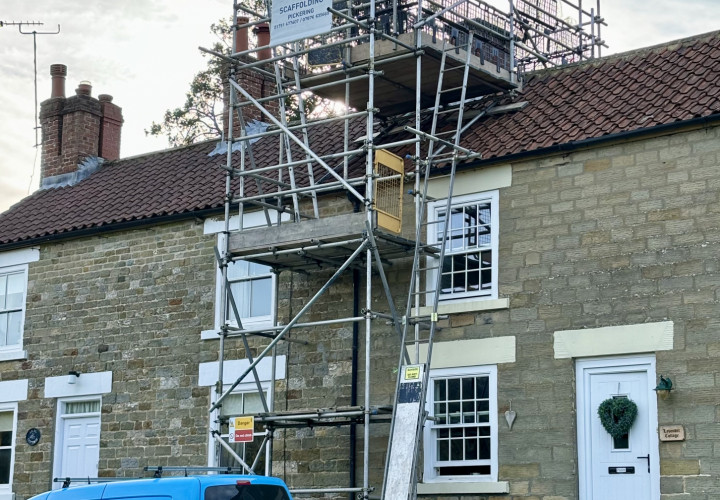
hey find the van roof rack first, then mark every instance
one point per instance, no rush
(162, 468)
(67, 481)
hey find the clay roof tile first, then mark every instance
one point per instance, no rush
(637, 90)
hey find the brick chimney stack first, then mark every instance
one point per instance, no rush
(76, 130)
(110, 125)
(257, 84)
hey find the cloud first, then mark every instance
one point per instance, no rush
(636, 24)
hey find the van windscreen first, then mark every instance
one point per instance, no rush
(246, 492)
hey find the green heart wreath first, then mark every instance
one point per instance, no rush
(617, 415)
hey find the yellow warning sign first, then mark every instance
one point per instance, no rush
(241, 429)
(412, 373)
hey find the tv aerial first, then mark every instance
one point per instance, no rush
(34, 32)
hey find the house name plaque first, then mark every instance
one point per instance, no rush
(672, 433)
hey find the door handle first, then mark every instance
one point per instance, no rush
(647, 457)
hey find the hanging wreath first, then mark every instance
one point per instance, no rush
(617, 415)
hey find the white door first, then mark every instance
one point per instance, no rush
(624, 468)
(81, 447)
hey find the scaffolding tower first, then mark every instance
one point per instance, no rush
(404, 74)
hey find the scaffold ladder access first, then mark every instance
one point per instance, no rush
(413, 369)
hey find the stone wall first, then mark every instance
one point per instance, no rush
(618, 235)
(133, 303)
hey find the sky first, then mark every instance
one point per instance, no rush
(145, 52)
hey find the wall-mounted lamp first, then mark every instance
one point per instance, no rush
(664, 387)
(73, 376)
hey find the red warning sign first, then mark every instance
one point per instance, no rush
(241, 429)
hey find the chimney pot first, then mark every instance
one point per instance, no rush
(241, 35)
(105, 98)
(58, 72)
(262, 31)
(84, 88)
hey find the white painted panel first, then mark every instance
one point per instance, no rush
(13, 390)
(470, 352)
(13, 355)
(612, 340)
(250, 219)
(22, 256)
(232, 369)
(457, 488)
(466, 306)
(85, 385)
(477, 181)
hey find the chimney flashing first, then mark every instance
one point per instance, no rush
(88, 166)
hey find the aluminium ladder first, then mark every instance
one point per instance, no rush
(413, 368)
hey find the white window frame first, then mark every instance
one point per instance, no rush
(217, 226)
(244, 388)
(434, 209)
(11, 262)
(207, 377)
(60, 418)
(430, 450)
(252, 321)
(7, 271)
(6, 489)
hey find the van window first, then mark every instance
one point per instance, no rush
(246, 492)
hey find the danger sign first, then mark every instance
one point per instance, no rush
(241, 429)
(412, 372)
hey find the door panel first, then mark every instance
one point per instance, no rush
(617, 472)
(81, 447)
(626, 468)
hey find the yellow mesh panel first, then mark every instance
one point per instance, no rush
(389, 169)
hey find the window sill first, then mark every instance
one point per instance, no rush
(465, 306)
(209, 335)
(456, 487)
(9, 356)
(7, 495)
(214, 334)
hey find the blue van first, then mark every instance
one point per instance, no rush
(212, 487)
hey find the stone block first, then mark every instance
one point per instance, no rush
(519, 471)
(679, 467)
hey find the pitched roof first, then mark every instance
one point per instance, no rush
(626, 92)
(159, 184)
(633, 91)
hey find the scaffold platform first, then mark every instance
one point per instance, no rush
(315, 243)
(395, 86)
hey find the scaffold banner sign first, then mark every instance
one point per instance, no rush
(241, 429)
(297, 19)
